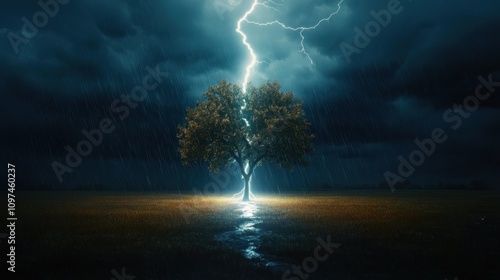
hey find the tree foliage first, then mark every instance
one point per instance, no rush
(260, 125)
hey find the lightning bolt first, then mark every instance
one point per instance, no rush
(300, 29)
(253, 56)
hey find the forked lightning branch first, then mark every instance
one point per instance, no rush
(300, 29)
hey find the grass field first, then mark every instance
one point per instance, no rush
(382, 235)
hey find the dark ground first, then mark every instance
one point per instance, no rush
(383, 235)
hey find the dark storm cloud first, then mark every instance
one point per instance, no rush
(428, 58)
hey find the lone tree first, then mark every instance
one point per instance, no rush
(260, 125)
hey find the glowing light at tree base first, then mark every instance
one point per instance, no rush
(241, 193)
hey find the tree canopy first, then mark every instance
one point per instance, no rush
(259, 125)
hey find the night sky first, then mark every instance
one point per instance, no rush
(364, 114)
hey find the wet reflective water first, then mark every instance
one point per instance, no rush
(246, 237)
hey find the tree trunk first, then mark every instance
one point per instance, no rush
(246, 192)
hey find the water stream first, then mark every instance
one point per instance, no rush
(246, 237)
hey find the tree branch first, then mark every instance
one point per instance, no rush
(240, 163)
(239, 152)
(255, 162)
(237, 158)
(247, 143)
